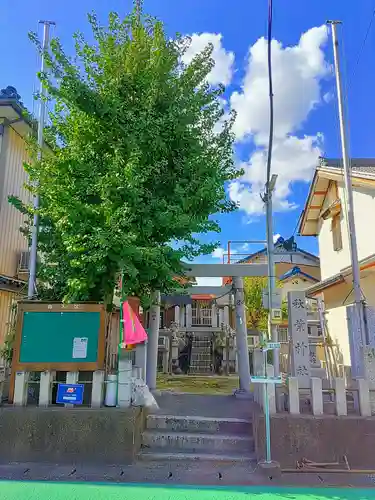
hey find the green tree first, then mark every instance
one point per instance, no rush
(256, 314)
(138, 167)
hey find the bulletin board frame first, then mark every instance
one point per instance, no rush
(55, 307)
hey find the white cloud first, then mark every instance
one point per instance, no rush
(222, 72)
(276, 237)
(296, 72)
(297, 75)
(293, 159)
(327, 97)
(219, 252)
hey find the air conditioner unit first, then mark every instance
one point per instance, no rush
(163, 342)
(23, 263)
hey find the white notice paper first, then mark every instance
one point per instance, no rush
(80, 347)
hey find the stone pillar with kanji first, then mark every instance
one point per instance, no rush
(300, 353)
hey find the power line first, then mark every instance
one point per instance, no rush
(363, 43)
(270, 87)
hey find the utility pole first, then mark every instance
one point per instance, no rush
(272, 328)
(358, 298)
(267, 198)
(41, 119)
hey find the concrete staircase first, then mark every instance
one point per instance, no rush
(197, 438)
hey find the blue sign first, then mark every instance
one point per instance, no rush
(70, 394)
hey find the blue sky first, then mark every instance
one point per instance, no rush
(306, 121)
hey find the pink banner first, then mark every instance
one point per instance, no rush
(133, 331)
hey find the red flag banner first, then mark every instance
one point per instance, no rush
(133, 331)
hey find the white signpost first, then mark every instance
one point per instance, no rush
(265, 381)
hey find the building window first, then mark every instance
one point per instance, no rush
(336, 232)
(283, 335)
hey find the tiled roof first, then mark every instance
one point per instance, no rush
(278, 245)
(361, 165)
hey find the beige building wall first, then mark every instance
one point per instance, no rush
(338, 330)
(12, 242)
(331, 261)
(13, 154)
(5, 307)
(336, 316)
(297, 283)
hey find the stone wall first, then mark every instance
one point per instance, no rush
(70, 435)
(321, 439)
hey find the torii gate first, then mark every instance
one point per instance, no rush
(237, 272)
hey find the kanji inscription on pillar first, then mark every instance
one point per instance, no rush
(300, 352)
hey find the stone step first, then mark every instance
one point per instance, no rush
(166, 454)
(197, 442)
(208, 425)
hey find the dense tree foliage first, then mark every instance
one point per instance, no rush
(256, 314)
(138, 166)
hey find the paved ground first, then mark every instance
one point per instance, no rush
(81, 491)
(203, 405)
(178, 480)
(85, 491)
(176, 474)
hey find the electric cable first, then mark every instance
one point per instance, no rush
(270, 87)
(363, 45)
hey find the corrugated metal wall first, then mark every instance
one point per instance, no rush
(12, 242)
(5, 305)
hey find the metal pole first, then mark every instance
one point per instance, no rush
(267, 422)
(270, 185)
(153, 342)
(41, 119)
(348, 187)
(241, 337)
(272, 329)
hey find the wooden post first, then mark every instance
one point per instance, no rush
(71, 378)
(20, 388)
(182, 316)
(188, 316)
(293, 396)
(177, 314)
(316, 396)
(97, 389)
(141, 359)
(340, 396)
(2, 378)
(45, 388)
(124, 383)
(364, 398)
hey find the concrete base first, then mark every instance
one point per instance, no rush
(70, 435)
(326, 438)
(270, 469)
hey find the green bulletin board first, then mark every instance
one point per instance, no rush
(59, 337)
(50, 337)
